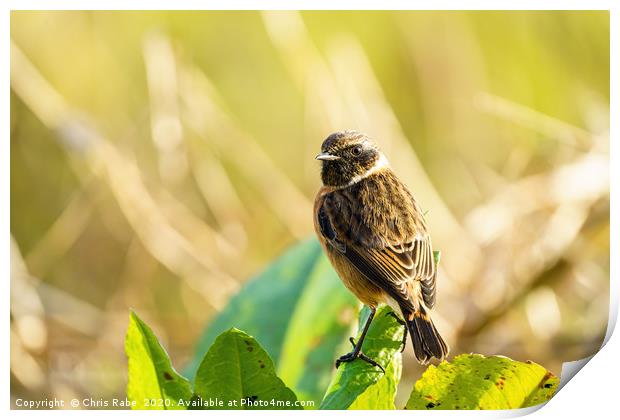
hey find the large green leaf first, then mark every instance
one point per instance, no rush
(264, 305)
(237, 372)
(359, 385)
(152, 381)
(321, 320)
(299, 311)
(473, 381)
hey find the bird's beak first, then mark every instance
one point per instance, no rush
(326, 156)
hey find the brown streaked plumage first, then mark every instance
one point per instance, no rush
(375, 236)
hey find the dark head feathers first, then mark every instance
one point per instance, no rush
(341, 139)
(347, 157)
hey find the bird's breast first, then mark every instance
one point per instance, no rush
(375, 211)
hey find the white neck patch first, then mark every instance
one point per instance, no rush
(380, 164)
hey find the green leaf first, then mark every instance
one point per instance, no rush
(235, 371)
(381, 395)
(437, 257)
(151, 376)
(278, 288)
(321, 320)
(299, 311)
(473, 381)
(359, 385)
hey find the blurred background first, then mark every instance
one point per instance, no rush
(160, 159)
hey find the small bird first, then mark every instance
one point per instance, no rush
(375, 235)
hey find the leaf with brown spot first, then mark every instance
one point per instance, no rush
(237, 367)
(474, 381)
(150, 372)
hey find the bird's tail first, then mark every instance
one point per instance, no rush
(427, 343)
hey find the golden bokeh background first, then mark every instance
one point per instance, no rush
(160, 159)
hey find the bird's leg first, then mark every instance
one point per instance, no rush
(404, 324)
(357, 347)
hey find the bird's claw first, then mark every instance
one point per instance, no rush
(371, 361)
(349, 357)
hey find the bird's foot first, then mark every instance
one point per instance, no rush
(357, 354)
(404, 324)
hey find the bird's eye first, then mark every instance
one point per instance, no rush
(357, 150)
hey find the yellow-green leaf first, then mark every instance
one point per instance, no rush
(152, 381)
(380, 396)
(473, 381)
(354, 379)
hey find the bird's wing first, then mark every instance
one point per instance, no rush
(392, 262)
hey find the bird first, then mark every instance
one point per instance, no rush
(375, 236)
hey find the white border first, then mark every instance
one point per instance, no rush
(314, 5)
(593, 394)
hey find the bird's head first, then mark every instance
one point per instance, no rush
(348, 157)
